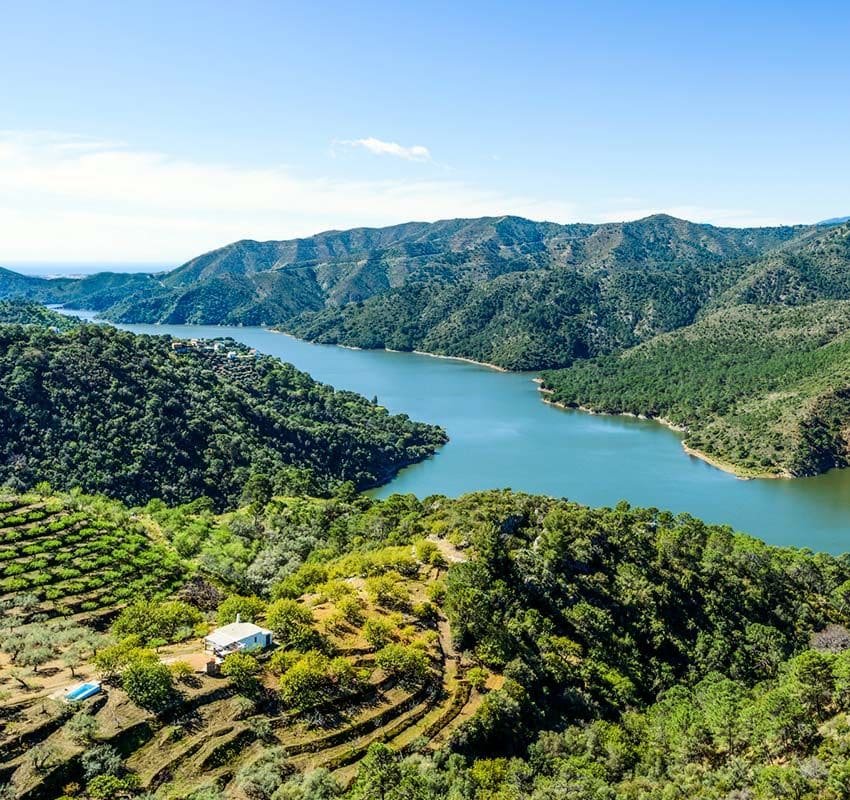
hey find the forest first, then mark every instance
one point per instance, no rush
(138, 417)
(493, 647)
(763, 390)
(505, 290)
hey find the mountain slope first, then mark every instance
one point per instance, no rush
(518, 293)
(24, 312)
(131, 417)
(816, 266)
(761, 390)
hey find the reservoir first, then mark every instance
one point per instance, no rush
(502, 435)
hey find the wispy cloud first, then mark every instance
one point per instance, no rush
(69, 198)
(378, 147)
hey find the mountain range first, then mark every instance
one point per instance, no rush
(505, 290)
(660, 317)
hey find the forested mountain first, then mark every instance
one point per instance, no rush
(762, 385)
(521, 294)
(763, 390)
(135, 418)
(814, 267)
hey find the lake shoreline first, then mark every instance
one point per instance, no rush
(717, 463)
(393, 350)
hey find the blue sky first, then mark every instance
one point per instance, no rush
(153, 131)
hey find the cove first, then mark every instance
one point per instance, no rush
(502, 435)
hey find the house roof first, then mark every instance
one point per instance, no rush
(234, 632)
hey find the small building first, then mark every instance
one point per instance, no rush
(237, 637)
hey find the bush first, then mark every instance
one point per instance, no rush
(101, 760)
(351, 608)
(306, 577)
(378, 632)
(405, 662)
(260, 779)
(107, 787)
(388, 590)
(181, 671)
(242, 670)
(291, 623)
(249, 609)
(147, 683)
(82, 727)
(109, 661)
(429, 553)
(315, 679)
(477, 678)
(154, 620)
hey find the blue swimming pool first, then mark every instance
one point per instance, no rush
(83, 691)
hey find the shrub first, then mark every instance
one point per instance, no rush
(429, 553)
(181, 671)
(378, 632)
(351, 608)
(147, 683)
(405, 662)
(107, 787)
(260, 779)
(477, 678)
(292, 623)
(249, 609)
(242, 670)
(301, 581)
(387, 590)
(315, 679)
(101, 760)
(154, 620)
(436, 592)
(111, 660)
(335, 590)
(82, 727)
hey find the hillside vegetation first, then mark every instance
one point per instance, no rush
(506, 290)
(495, 646)
(125, 415)
(23, 312)
(762, 388)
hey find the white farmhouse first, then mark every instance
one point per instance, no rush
(236, 637)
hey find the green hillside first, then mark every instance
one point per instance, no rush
(131, 417)
(24, 312)
(497, 646)
(814, 267)
(761, 390)
(521, 294)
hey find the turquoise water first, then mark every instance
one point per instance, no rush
(502, 435)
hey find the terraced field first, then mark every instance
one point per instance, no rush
(212, 736)
(68, 559)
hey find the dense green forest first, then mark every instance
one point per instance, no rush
(765, 390)
(132, 417)
(570, 652)
(517, 293)
(23, 312)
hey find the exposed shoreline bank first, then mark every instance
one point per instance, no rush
(725, 466)
(393, 350)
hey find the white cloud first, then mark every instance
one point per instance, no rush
(378, 147)
(68, 198)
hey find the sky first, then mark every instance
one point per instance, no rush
(151, 132)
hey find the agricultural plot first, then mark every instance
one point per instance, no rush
(391, 675)
(60, 558)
